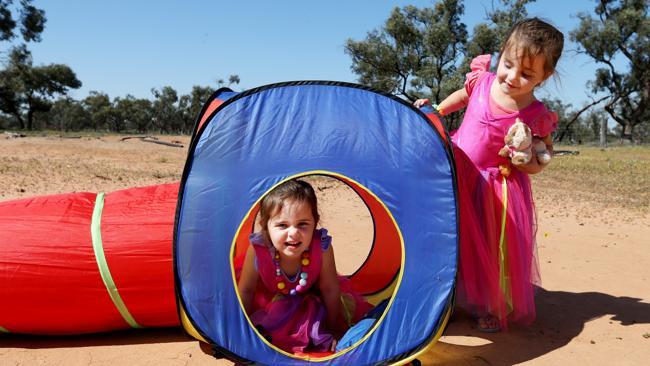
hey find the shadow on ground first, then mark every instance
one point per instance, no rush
(561, 316)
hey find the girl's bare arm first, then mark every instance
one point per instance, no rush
(331, 292)
(248, 280)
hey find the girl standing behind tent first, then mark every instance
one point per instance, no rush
(498, 265)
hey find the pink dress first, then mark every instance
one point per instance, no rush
(498, 264)
(297, 323)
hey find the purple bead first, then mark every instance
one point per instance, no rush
(292, 292)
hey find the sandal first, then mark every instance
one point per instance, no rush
(488, 324)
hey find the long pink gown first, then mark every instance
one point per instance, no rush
(498, 265)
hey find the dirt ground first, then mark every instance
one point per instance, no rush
(593, 308)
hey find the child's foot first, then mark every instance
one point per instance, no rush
(488, 324)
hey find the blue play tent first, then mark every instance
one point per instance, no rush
(396, 158)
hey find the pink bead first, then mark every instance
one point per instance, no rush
(299, 288)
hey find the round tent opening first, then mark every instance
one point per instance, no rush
(377, 277)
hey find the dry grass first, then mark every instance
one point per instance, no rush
(612, 178)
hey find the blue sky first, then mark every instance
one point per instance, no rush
(128, 47)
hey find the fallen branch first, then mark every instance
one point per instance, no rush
(153, 140)
(138, 137)
(14, 135)
(565, 152)
(156, 141)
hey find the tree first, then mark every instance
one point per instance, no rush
(99, 107)
(190, 105)
(232, 79)
(619, 34)
(426, 52)
(166, 115)
(134, 113)
(31, 21)
(67, 114)
(415, 51)
(26, 89)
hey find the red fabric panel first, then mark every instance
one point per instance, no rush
(213, 105)
(438, 125)
(49, 281)
(137, 231)
(384, 259)
(49, 278)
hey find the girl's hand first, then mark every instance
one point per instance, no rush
(421, 102)
(333, 346)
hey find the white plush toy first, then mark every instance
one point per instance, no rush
(518, 143)
(520, 146)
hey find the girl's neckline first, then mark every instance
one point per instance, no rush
(491, 99)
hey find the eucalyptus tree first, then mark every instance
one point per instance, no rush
(618, 39)
(23, 19)
(166, 116)
(414, 52)
(425, 53)
(26, 89)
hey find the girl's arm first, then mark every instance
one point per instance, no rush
(248, 280)
(457, 100)
(534, 166)
(331, 292)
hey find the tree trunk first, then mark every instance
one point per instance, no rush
(30, 119)
(20, 120)
(603, 133)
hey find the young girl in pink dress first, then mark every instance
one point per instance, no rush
(498, 265)
(288, 285)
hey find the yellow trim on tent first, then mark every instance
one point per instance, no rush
(187, 325)
(430, 345)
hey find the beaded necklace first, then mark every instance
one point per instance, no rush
(291, 288)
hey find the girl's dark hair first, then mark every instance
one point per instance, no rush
(533, 37)
(294, 189)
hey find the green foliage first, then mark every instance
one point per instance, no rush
(26, 89)
(619, 34)
(30, 23)
(167, 117)
(415, 50)
(425, 53)
(66, 114)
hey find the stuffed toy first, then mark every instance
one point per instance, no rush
(520, 146)
(518, 141)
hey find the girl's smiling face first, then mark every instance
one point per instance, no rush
(518, 74)
(292, 228)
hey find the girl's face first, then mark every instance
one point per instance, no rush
(518, 76)
(291, 229)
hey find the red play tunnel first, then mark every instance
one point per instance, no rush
(56, 277)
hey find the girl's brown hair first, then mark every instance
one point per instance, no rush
(534, 37)
(295, 190)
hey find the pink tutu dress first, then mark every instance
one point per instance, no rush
(295, 321)
(498, 263)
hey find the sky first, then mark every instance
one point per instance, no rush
(129, 47)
